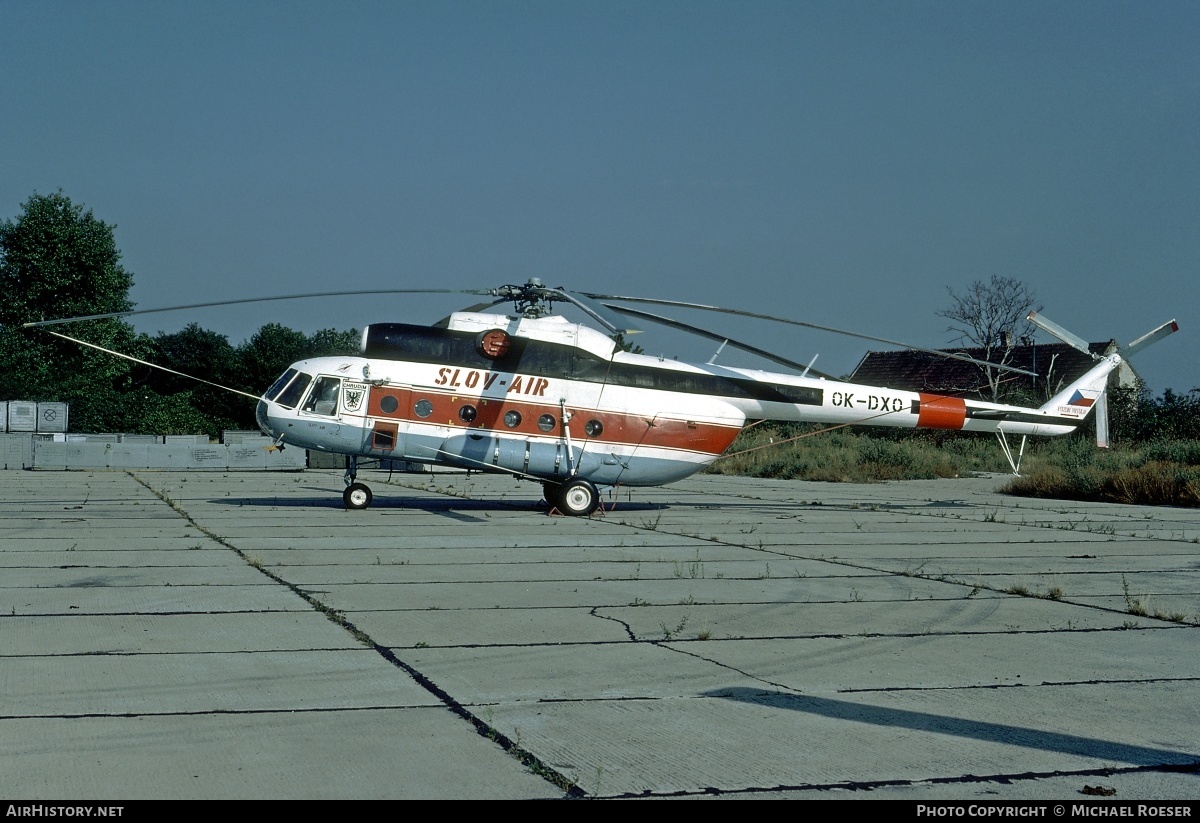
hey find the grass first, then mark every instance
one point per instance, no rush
(1114, 478)
(1134, 605)
(670, 633)
(852, 457)
(1071, 468)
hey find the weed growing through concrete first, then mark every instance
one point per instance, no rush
(669, 634)
(1133, 605)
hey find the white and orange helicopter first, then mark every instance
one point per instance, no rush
(528, 393)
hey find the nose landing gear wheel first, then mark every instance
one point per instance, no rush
(357, 496)
(578, 497)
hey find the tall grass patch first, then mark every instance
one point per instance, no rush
(1163, 472)
(809, 453)
(1122, 475)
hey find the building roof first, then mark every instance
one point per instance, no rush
(1057, 364)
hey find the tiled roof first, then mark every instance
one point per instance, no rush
(922, 371)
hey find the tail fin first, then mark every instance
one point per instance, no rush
(1086, 393)
(1078, 399)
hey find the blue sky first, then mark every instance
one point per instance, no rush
(842, 163)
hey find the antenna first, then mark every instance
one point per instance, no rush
(720, 349)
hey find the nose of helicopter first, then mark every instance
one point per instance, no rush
(260, 417)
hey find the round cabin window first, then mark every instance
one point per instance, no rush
(467, 413)
(512, 418)
(546, 422)
(424, 408)
(389, 404)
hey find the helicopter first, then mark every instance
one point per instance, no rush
(529, 393)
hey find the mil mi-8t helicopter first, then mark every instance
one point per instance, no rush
(534, 395)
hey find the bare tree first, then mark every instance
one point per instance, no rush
(991, 317)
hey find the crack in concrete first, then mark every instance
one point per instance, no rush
(525, 757)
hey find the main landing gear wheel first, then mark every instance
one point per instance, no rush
(357, 496)
(578, 497)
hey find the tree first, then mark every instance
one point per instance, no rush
(198, 352)
(331, 342)
(991, 317)
(56, 260)
(272, 349)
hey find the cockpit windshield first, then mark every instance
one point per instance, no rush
(289, 388)
(278, 385)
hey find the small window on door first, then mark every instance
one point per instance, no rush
(383, 437)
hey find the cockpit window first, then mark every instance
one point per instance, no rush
(323, 399)
(279, 384)
(290, 397)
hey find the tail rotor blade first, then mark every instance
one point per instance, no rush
(1170, 327)
(1072, 340)
(1100, 409)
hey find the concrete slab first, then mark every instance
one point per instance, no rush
(418, 753)
(486, 628)
(206, 683)
(787, 740)
(89, 600)
(241, 635)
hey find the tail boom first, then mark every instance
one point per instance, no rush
(860, 405)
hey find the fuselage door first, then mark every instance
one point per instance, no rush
(389, 411)
(324, 399)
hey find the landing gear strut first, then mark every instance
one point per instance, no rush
(356, 495)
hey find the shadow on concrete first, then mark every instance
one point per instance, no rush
(457, 508)
(959, 727)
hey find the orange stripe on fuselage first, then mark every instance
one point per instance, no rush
(618, 428)
(938, 412)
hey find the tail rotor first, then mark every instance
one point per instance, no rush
(1100, 408)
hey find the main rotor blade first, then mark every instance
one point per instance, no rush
(787, 321)
(250, 300)
(722, 338)
(155, 365)
(597, 311)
